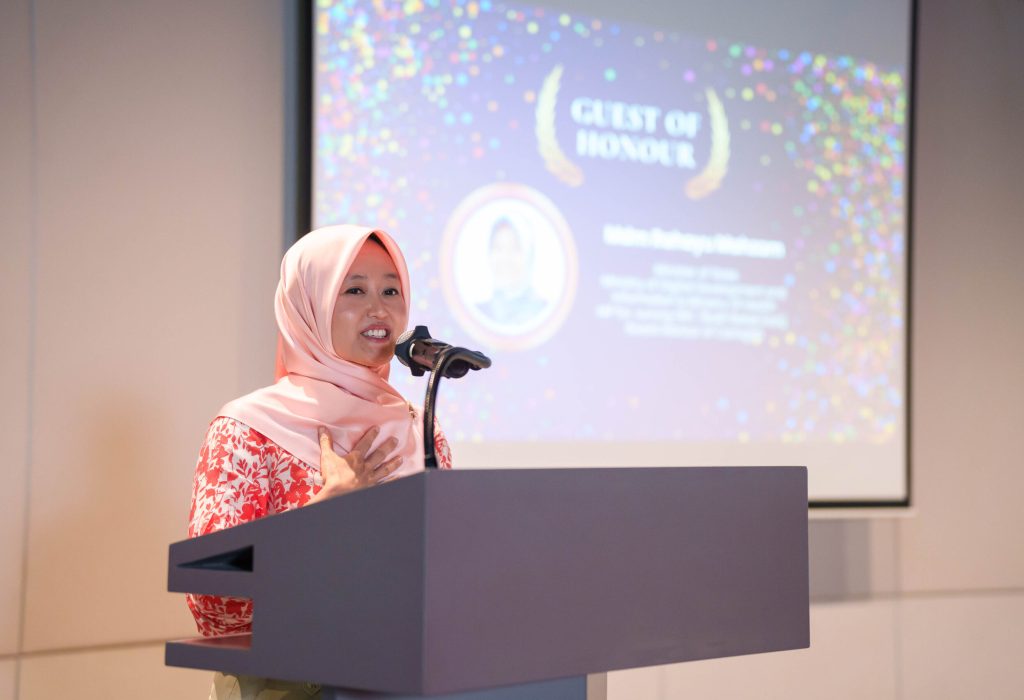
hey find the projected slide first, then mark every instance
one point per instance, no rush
(678, 248)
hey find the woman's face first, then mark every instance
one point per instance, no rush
(370, 313)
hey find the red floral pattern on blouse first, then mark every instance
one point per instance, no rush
(242, 475)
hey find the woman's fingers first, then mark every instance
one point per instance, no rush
(366, 441)
(326, 445)
(377, 457)
(386, 469)
(374, 465)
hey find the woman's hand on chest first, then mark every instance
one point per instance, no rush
(360, 468)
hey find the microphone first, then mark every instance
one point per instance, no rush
(419, 352)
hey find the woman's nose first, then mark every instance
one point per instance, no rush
(376, 307)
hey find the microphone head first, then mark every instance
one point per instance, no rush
(403, 346)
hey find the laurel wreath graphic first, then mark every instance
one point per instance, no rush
(555, 160)
(710, 178)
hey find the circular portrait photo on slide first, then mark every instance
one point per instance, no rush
(508, 266)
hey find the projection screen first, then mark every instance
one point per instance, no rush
(680, 230)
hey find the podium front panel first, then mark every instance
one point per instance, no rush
(546, 573)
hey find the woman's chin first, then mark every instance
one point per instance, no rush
(368, 353)
(374, 360)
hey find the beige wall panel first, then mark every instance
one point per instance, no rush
(101, 675)
(963, 647)
(851, 656)
(852, 559)
(968, 325)
(883, 556)
(15, 303)
(160, 133)
(8, 683)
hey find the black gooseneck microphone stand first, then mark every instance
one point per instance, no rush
(444, 360)
(450, 361)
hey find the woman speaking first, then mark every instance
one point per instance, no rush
(330, 424)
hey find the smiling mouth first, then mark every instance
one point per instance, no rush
(376, 333)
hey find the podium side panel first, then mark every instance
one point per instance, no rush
(336, 589)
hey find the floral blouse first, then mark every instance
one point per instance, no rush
(242, 475)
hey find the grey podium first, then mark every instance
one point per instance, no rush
(503, 584)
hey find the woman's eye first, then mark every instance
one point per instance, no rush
(392, 292)
(353, 290)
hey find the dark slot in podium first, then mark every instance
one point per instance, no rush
(453, 581)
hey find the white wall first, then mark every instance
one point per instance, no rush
(141, 160)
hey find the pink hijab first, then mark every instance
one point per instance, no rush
(315, 386)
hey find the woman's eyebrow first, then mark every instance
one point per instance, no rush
(387, 275)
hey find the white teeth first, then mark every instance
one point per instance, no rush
(376, 333)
